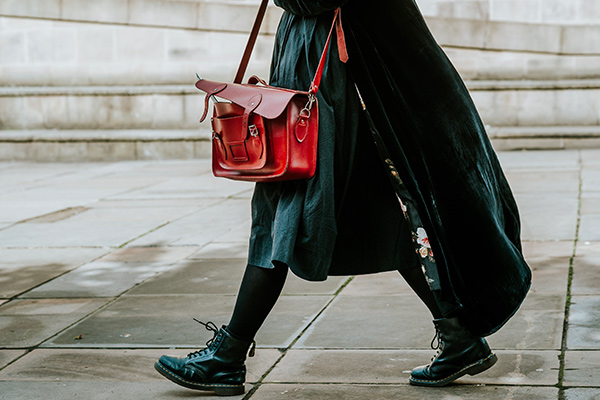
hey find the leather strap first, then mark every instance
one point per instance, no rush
(239, 76)
(314, 87)
(343, 53)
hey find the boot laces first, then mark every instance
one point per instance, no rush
(210, 326)
(437, 343)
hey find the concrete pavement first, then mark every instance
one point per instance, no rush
(104, 265)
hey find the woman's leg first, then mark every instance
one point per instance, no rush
(258, 293)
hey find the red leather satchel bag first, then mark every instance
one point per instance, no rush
(263, 133)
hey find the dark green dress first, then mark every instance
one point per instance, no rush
(347, 219)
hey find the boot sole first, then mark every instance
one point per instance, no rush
(472, 369)
(217, 388)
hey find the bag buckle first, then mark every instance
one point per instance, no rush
(305, 112)
(253, 130)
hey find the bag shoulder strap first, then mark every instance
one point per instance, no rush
(251, 41)
(314, 87)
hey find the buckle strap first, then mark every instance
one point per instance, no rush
(342, 50)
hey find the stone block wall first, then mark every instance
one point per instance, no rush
(102, 42)
(533, 11)
(88, 66)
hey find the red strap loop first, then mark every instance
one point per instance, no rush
(341, 43)
(341, 39)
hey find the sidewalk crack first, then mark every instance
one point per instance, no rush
(306, 328)
(563, 347)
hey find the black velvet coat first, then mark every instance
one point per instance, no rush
(435, 137)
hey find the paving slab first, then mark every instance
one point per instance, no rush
(180, 265)
(537, 325)
(403, 322)
(590, 158)
(290, 317)
(549, 274)
(98, 279)
(26, 204)
(590, 202)
(588, 229)
(562, 160)
(156, 203)
(102, 185)
(151, 321)
(23, 269)
(588, 248)
(26, 323)
(590, 177)
(7, 356)
(394, 366)
(586, 276)
(548, 217)
(219, 250)
(400, 392)
(543, 181)
(222, 277)
(400, 321)
(111, 365)
(385, 283)
(19, 176)
(168, 254)
(582, 368)
(582, 394)
(584, 320)
(547, 249)
(14, 211)
(92, 228)
(240, 232)
(201, 227)
(196, 277)
(142, 321)
(92, 390)
(167, 168)
(200, 186)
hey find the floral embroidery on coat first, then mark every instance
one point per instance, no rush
(424, 249)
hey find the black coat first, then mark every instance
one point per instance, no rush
(433, 132)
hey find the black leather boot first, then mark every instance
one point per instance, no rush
(459, 353)
(218, 368)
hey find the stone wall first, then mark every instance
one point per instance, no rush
(535, 11)
(90, 71)
(125, 42)
(67, 43)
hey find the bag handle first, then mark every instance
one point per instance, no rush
(314, 87)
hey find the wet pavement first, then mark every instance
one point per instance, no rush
(104, 265)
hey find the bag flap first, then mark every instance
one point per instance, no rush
(272, 103)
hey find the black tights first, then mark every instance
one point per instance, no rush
(416, 280)
(258, 294)
(261, 288)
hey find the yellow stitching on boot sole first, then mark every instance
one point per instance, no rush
(456, 373)
(194, 383)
